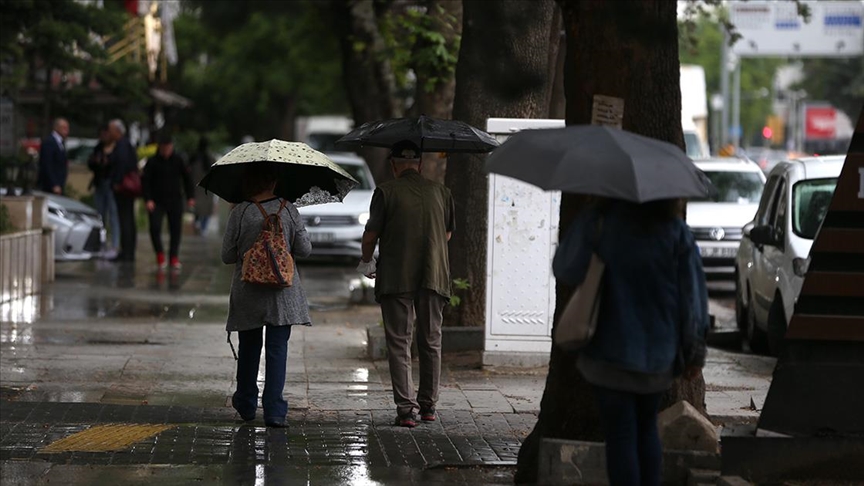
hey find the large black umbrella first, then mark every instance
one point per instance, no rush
(601, 161)
(304, 176)
(427, 133)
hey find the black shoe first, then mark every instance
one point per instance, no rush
(276, 424)
(428, 414)
(408, 420)
(246, 418)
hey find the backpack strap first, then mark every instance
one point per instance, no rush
(261, 208)
(282, 206)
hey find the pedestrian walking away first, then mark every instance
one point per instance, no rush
(53, 162)
(167, 188)
(651, 326)
(103, 194)
(200, 164)
(255, 307)
(124, 175)
(411, 219)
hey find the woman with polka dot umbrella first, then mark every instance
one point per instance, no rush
(304, 175)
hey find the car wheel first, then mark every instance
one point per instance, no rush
(757, 340)
(740, 308)
(776, 326)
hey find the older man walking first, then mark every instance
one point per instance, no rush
(53, 163)
(411, 218)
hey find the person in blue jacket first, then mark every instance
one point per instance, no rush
(53, 163)
(651, 327)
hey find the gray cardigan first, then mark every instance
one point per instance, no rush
(252, 306)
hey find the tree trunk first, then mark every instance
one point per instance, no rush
(627, 50)
(502, 72)
(367, 73)
(437, 102)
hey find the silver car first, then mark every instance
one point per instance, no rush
(78, 229)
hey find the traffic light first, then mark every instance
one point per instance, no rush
(774, 130)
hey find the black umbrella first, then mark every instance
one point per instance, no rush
(601, 161)
(427, 133)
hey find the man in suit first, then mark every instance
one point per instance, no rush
(53, 164)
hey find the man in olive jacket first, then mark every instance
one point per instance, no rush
(411, 218)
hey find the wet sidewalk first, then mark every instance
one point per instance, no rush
(133, 362)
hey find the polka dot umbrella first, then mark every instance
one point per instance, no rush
(304, 175)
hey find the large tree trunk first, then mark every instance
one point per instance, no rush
(627, 50)
(366, 70)
(502, 72)
(437, 100)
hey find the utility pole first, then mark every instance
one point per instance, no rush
(736, 106)
(724, 89)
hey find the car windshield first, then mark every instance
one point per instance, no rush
(693, 145)
(734, 187)
(358, 172)
(810, 200)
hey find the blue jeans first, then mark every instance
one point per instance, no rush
(634, 454)
(104, 198)
(245, 399)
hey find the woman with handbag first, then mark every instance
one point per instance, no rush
(126, 181)
(261, 236)
(651, 321)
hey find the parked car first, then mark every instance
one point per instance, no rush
(337, 228)
(716, 221)
(773, 257)
(78, 229)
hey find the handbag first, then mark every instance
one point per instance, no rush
(130, 186)
(578, 321)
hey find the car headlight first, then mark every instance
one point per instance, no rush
(363, 218)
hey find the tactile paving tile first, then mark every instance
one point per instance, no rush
(105, 438)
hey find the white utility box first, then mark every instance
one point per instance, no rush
(522, 238)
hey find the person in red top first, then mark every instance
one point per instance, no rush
(166, 184)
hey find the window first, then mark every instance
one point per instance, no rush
(359, 173)
(810, 201)
(765, 201)
(735, 187)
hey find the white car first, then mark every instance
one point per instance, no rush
(337, 228)
(773, 257)
(78, 229)
(716, 221)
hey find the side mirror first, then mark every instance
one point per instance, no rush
(763, 235)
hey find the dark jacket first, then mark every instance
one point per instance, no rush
(166, 181)
(100, 164)
(53, 164)
(123, 160)
(654, 299)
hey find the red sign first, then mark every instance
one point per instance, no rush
(820, 123)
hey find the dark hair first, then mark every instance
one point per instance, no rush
(257, 178)
(648, 214)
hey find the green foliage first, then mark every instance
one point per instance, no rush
(838, 81)
(458, 284)
(414, 42)
(250, 67)
(65, 35)
(702, 46)
(6, 225)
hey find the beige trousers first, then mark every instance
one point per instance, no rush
(399, 312)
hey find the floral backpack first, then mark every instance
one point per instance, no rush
(269, 262)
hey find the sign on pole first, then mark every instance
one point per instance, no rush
(835, 29)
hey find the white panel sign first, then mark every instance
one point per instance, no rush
(835, 29)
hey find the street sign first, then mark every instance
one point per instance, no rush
(820, 122)
(835, 29)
